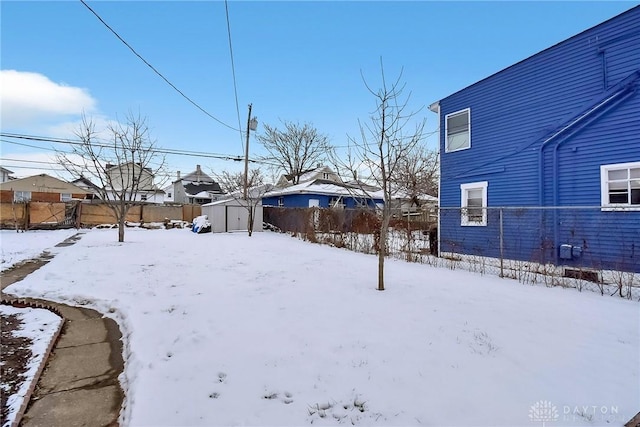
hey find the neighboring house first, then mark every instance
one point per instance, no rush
(321, 193)
(92, 189)
(421, 207)
(4, 174)
(40, 188)
(196, 188)
(558, 129)
(125, 175)
(320, 172)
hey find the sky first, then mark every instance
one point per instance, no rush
(300, 61)
(312, 342)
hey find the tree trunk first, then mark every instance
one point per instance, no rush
(121, 219)
(121, 229)
(382, 248)
(250, 220)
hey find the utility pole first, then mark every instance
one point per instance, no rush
(252, 124)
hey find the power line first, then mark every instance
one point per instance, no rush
(37, 168)
(155, 70)
(233, 70)
(169, 151)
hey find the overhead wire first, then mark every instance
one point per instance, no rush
(155, 70)
(169, 151)
(233, 71)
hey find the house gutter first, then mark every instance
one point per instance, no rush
(564, 134)
(435, 107)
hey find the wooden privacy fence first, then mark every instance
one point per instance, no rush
(32, 215)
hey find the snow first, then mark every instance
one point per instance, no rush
(39, 326)
(17, 247)
(226, 329)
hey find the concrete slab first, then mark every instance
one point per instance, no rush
(79, 386)
(76, 408)
(67, 366)
(81, 332)
(77, 313)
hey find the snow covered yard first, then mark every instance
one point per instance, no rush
(223, 329)
(17, 247)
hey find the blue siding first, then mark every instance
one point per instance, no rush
(302, 201)
(514, 111)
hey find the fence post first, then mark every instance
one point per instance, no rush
(501, 246)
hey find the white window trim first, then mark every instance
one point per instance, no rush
(604, 188)
(66, 199)
(464, 220)
(446, 142)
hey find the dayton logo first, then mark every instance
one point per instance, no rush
(543, 411)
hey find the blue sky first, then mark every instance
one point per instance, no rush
(298, 61)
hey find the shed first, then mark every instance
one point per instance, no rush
(231, 215)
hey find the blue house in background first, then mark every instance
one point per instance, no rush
(322, 193)
(541, 161)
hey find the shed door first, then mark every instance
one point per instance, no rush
(314, 203)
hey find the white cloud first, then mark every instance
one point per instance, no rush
(27, 98)
(69, 129)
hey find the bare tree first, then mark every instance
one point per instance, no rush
(120, 165)
(380, 153)
(233, 184)
(296, 149)
(417, 174)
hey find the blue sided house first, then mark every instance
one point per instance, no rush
(541, 161)
(322, 193)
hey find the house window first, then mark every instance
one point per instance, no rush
(458, 130)
(65, 197)
(169, 195)
(325, 175)
(280, 201)
(474, 204)
(620, 185)
(143, 197)
(336, 202)
(21, 196)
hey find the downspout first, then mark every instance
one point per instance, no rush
(561, 136)
(435, 107)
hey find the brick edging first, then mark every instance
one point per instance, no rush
(24, 303)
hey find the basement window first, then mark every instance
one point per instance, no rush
(620, 186)
(582, 274)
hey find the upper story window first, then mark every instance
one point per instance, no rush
(325, 175)
(620, 185)
(280, 201)
(65, 197)
(474, 203)
(143, 197)
(458, 130)
(21, 196)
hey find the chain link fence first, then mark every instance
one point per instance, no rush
(582, 248)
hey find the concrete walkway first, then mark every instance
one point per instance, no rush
(79, 385)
